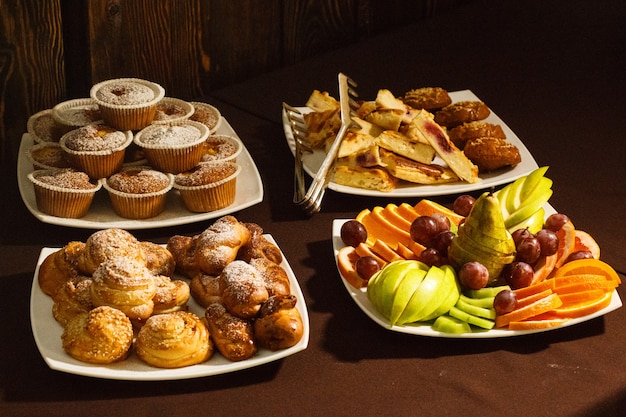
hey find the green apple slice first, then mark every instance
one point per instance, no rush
(534, 223)
(471, 319)
(430, 294)
(528, 208)
(484, 302)
(452, 325)
(513, 197)
(390, 279)
(453, 295)
(487, 291)
(412, 279)
(532, 180)
(487, 313)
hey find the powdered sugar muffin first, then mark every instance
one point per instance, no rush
(42, 127)
(138, 192)
(47, 155)
(72, 114)
(173, 148)
(172, 110)
(221, 148)
(206, 114)
(127, 103)
(63, 192)
(209, 186)
(96, 149)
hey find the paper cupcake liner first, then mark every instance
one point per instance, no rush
(61, 202)
(61, 162)
(131, 116)
(67, 124)
(210, 197)
(207, 157)
(172, 119)
(53, 132)
(138, 206)
(216, 119)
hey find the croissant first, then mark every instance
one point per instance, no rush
(259, 246)
(243, 289)
(171, 295)
(205, 289)
(183, 250)
(279, 324)
(233, 336)
(174, 340)
(103, 335)
(275, 277)
(159, 260)
(59, 267)
(109, 243)
(217, 246)
(126, 285)
(72, 299)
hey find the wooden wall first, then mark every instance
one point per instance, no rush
(54, 50)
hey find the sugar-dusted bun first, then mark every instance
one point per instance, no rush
(103, 335)
(171, 295)
(243, 289)
(108, 243)
(275, 277)
(59, 267)
(205, 289)
(72, 299)
(233, 336)
(174, 340)
(159, 260)
(217, 246)
(279, 325)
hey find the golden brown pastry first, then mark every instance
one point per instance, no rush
(427, 98)
(125, 284)
(171, 295)
(409, 170)
(205, 289)
(377, 178)
(461, 112)
(72, 299)
(159, 260)
(243, 289)
(490, 154)
(467, 131)
(103, 335)
(59, 267)
(174, 340)
(259, 246)
(233, 336)
(109, 243)
(183, 249)
(279, 325)
(275, 277)
(218, 245)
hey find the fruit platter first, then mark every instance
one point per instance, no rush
(503, 264)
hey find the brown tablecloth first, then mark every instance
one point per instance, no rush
(554, 71)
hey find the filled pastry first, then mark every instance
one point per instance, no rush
(233, 336)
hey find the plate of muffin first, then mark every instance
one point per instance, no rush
(130, 157)
(114, 307)
(425, 142)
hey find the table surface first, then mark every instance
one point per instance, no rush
(554, 71)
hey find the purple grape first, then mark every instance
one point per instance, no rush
(353, 233)
(473, 275)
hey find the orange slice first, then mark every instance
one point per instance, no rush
(391, 213)
(584, 241)
(540, 306)
(534, 289)
(583, 308)
(364, 250)
(543, 268)
(377, 230)
(537, 324)
(580, 297)
(408, 212)
(588, 266)
(522, 302)
(346, 260)
(428, 207)
(567, 242)
(405, 252)
(384, 251)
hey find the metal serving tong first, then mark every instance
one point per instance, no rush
(311, 201)
(300, 132)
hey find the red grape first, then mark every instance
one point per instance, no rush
(519, 275)
(442, 241)
(366, 266)
(423, 229)
(549, 242)
(473, 275)
(505, 302)
(463, 204)
(579, 254)
(519, 235)
(443, 222)
(555, 221)
(432, 257)
(353, 233)
(528, 250)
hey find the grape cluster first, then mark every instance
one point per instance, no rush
(434, 233)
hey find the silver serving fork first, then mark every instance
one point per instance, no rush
(311, 203)
(302, 145)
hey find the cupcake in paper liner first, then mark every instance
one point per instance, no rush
(221, 148)
(138, 192)
(206, 114)
(47, 155)
(173, 148)
(96, 149)
(127, 103)
(209, 186)
(172, 110)
(63, 192)
(75, 113)
(42, 127)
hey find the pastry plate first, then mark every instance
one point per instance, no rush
(313, 161)
(360, 298)
(47, 332)
(102, 216)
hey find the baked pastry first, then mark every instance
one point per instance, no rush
(461, 112)
(274, 276)
(459, 135)
(47, 155)
(103, 335)
(376, 178)
(127, 103)
(208, 186)
(173, 148)
(96, 149)
(259, 246)
(183, 249)
(324, 120)
(490, 154)
(63, 192)
(159, 260)
(138, 192)
(416, 172)
(42, 127)
(427, 98)
(106, 244)
(233, 336)
(206, 114)
(174, 340)
(279, 324)
(243, 289)
(221, 148)
(124, 284)
(171, 295)
(75, 113)
(398, 143)
(59, 267)
(172, 110)
(205, 289)
(73, 298)
(217, 246)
